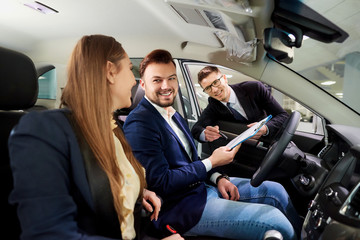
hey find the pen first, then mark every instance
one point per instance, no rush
(260, 126)
(223, 135)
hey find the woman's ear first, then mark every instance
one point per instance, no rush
(110, 72)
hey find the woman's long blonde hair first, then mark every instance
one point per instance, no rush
(87, 94)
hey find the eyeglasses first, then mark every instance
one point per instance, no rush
(215, 83)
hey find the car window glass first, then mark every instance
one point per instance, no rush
(334, 67)
(339, 77)
(47, 91)
(136, 64)
(184, 98)
(310, 122)
(47, 85)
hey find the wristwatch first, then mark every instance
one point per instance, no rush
(222, 176)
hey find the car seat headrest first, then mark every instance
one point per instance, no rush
(18, 80)
(137, 93)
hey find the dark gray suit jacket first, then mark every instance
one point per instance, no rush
(51, 187)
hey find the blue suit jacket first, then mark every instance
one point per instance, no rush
(257, 103)
(50, 182)
(170, 172)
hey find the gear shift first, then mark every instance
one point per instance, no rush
(273, 235)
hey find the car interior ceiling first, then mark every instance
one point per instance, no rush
(289, 16)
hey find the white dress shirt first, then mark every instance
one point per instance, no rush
(234, 103)
(167, 114)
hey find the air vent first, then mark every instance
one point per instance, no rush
(351, 207)
(355, 202)
(324, 151)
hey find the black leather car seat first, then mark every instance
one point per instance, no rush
(18, 91)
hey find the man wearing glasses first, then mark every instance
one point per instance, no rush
(246, 102)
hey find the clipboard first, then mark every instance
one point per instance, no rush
(250, 132)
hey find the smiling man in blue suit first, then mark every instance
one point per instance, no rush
(197, 200)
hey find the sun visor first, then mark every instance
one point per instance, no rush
(231, 22)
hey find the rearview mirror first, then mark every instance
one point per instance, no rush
(279, 45)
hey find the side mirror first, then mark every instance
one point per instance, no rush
(279, 45)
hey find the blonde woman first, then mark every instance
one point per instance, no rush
(75, 176)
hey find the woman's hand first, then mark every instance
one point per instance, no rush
(174, 237)
(149, 196)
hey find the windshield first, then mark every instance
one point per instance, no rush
(334, 67)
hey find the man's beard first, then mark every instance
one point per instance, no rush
(164, 105)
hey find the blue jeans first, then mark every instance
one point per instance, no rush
(258, 210)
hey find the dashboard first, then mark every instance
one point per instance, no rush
(334, 213)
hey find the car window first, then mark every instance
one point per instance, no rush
(47, 93)
(334, 67)
(47, 85)
(309, 123)
(339, 77)
(136, 64)
(185, 99)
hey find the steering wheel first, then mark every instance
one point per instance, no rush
(275, 150)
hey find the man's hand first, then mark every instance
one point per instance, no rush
(262, 131)
(223, 155)
(228, 190)
(156, 202)
(211, 133)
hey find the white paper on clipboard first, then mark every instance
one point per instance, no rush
(250, 132)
